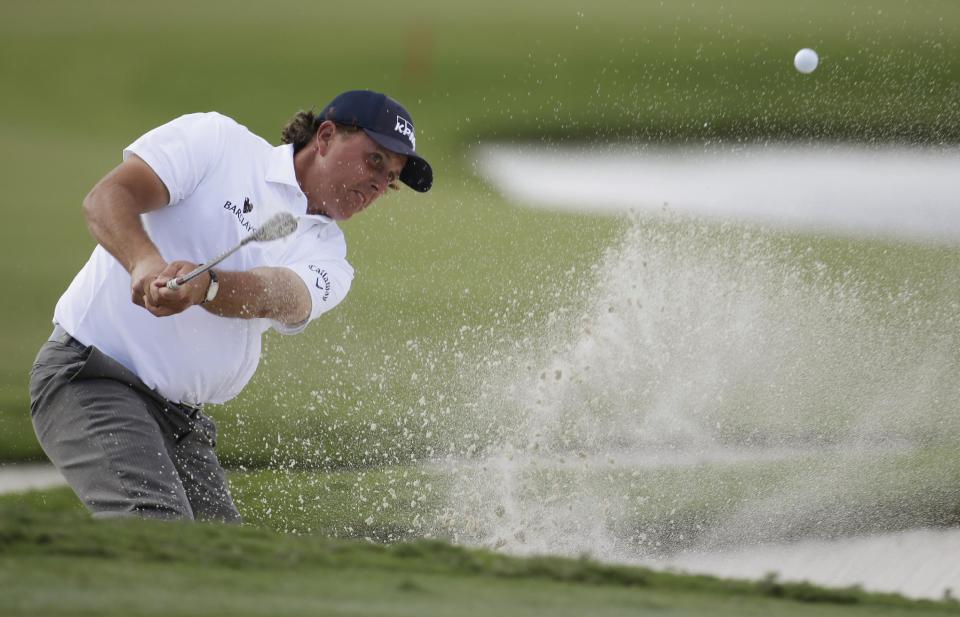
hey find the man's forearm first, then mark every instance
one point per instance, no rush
(274, 293)
(113, 208)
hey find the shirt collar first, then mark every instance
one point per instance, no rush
(280, 170)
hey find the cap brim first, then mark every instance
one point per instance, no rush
(416, 173)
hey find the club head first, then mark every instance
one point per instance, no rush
(276, 227)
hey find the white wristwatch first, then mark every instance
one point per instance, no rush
(212, 289)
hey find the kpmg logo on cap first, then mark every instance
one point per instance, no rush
(406, 129)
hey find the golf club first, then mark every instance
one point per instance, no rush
(276, 227)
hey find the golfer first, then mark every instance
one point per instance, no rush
(117, 393)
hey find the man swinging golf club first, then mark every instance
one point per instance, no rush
(142, 341)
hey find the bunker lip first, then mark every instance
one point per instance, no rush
(895, 192)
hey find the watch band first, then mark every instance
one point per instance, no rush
(212, 288)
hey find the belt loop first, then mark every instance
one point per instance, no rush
(59, 335)
(193, 410)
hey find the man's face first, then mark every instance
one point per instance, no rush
(348, 173)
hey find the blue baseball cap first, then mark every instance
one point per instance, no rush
(386, 122)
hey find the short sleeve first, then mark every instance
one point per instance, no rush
(183, 151)
(320, 262)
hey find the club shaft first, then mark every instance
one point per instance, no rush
(278, 226)
(180, 280)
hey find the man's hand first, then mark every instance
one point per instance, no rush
(142, 275)
(163, 302)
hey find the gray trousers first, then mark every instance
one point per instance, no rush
(123, 448)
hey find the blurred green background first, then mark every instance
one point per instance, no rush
(442, 278)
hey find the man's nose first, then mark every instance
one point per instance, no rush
(380, 180)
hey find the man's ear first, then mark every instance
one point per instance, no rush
(324, 136)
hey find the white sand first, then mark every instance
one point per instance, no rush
(919, 563)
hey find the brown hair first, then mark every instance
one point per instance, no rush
(303, 126)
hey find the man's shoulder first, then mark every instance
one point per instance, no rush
(210, 117)
(232, 128)
(226, 127)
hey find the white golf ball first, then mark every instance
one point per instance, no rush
(806, 60)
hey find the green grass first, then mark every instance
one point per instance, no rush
(306, 541)
(144, 568)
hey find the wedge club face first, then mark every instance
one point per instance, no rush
(278, 226)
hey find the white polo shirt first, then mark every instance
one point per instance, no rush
(224, 182)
